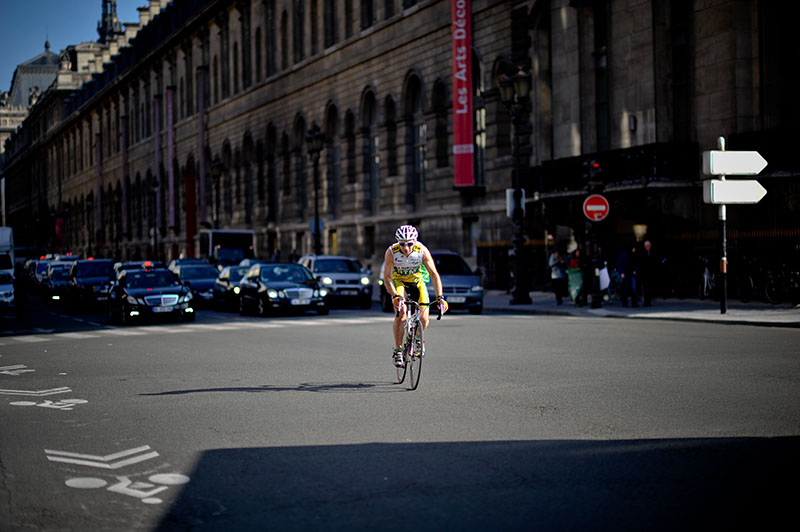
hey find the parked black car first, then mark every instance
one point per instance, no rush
(149, 293)
(200, 278)
(345, 278)
(54, 281)
(281, 287)
(226, 287)
(89, 281)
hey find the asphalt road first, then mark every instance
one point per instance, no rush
(520, 422)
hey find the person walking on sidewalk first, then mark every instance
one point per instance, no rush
(626, 269)
(647, 273)
(558, 276)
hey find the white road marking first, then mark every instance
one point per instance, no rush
(75, 335)
(122, 332)
(103, 462)
(36, 393)
(29, 339)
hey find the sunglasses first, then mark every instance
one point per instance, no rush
(405, 244)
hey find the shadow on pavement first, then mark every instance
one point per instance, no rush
(681, 484)
(323, 387)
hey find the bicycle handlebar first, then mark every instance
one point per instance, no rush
(410, 301)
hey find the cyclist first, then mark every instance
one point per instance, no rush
(409, 265)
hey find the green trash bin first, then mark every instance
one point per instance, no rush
(575, 282)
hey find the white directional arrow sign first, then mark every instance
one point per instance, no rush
(36, 393)
(717, 162)
(728, 192)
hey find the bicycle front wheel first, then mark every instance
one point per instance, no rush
(415, 358)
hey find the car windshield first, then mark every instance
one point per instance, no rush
(150, 279)
(5, 278)
(285, 273)
(59, 274)
(451, 265)
(237, 274)
(95, 269)
(42, 267)
(336, 266)
(230, 255)
(199, 272)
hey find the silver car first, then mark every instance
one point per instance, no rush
(347, 280)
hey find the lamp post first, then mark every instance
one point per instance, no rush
(154, 186)
(315, 140)
(216, 174)
(514, 92)
(89, 227)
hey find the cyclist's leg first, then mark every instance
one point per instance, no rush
(397, 326)
(424, 299)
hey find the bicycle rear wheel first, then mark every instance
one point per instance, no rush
(415, 358)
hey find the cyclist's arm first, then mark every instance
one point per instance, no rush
(430, 265)
(388, 283)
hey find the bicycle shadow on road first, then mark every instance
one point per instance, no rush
(677, 484)
(319, 387)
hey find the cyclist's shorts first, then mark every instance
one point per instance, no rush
(416, 290)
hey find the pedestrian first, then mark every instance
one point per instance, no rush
(276, 257)
(625, 267)
(558, 275)
(647, 273)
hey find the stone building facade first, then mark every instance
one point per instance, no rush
(200, 121)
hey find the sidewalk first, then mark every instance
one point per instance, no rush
(754, 313)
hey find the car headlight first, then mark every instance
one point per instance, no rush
(327, 280)
(323, 292)
(316, 293)
(236, 290)
(477, 288)
(186, 298)
(137, 300)
(365, 281)
(273, 294)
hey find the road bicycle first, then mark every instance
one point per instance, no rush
(413, 343)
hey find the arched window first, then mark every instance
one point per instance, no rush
(273, 187)
(367, 13)
(350, 146)
(227, 179)
(284, 41)
(416, 139)
(286, 167)
(388, 9)
(390, 113)
(216, 79)
(300, 157)
(333, 173)
(371, 150)
(235, 68)
(258, 54)
(329, 22)
(439, 101)
(269, 28)
(314, 24)
(298, 31)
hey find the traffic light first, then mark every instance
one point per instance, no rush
(591, 168)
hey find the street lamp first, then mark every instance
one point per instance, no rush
(514, 92)
(316, 140)
(89, 227)
(216, 174)
(154, 186)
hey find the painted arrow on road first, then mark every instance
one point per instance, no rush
(36, 393)
(111, 461)
(17, 370)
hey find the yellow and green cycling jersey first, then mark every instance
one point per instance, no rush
(409, 271)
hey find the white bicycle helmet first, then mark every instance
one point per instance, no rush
(406, 233)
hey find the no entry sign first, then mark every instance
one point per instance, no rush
(595, 207)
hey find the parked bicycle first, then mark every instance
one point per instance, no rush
(413, 343)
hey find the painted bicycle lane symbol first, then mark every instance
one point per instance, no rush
(144, 491)
(63, 404)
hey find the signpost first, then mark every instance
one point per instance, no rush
(595, 207)
(722, 192)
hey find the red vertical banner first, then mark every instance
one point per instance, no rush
(463, 147)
